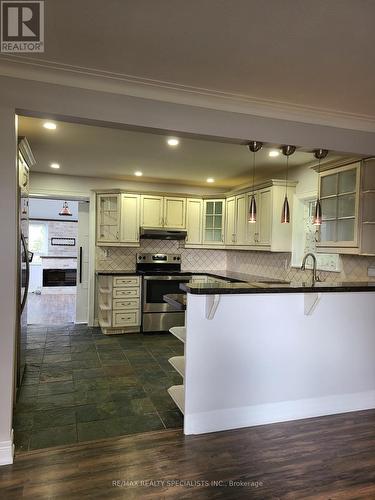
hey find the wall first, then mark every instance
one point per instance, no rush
(114, 259)
(40, 208)
(56, 101)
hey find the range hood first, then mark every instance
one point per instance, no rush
(162, 234)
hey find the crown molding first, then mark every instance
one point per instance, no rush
(91, 79)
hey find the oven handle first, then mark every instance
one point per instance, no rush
(167, 278)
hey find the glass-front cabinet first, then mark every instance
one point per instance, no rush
(339, 194)
(214, 217)
(108, 218)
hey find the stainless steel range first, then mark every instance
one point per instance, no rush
(161, 275)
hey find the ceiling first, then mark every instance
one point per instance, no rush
(318, 54)
(85, 150)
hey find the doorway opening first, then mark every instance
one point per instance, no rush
(58, 239)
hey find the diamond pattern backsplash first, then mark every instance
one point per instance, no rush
(273, 265)
(123, 259)
(277, 265)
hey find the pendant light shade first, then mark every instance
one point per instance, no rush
(285, 213)
(287, 150)
(254, 147)
(252, 216)
(65, 212)
(318, 215)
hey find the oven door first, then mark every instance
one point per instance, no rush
(154, 287)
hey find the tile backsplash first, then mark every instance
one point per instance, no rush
(123, 258)
(275, 265)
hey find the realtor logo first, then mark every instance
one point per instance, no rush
(22, 26)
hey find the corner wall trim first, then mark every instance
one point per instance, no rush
(7, 451)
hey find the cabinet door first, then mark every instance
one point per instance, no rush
(339, 194)
(152, 211)
(129, 218)
(108, 218)
(263, 236)
(241, 219)
(174, 212)
(230, 225)
(194, 209)
(213, 229)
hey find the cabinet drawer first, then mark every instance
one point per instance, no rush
(126, 281)
(119, 293)
(123, 318)
(125, 304)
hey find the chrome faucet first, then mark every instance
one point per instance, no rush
(315, 277)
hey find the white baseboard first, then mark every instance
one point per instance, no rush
(7, 451)
(235, 418)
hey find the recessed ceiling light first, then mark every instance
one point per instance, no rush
(172, 141)
(50, 125)
(55, 166)
(138, 173)
(210, 180)
(273, 153)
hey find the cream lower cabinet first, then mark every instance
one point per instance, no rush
(167, 212)
(194, 221)
(117, 220)
(119, 306)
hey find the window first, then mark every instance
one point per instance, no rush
(38, 240)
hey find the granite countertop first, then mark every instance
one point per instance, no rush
(177, 300)
(224, 274)
(275, 287)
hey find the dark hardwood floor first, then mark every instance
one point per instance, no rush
(323, 458)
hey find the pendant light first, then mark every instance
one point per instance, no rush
(254, 147)
(317, 220)
(65, 212)
(285, 214)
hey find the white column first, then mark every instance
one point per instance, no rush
(8, 276)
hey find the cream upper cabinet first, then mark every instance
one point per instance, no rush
(259, 232)
(213, 222)
(241, 219)
(348, 209)
(339, 195)
(174, 212)
(152, 211)
(130, 204)
(159, 211)
(230, 221)
(108, 218)
(194, 215)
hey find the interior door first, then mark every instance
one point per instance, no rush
(82, 263)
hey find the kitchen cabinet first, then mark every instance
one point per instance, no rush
(119, 307)
(152, 211)
(194, 215)
(108, 218)
(236, 220)
(163, 212)
(348, 209)
(259, 232)
(129, 232)
(118, 219)
(213, 222)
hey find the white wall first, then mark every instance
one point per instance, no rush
(57, 101)
(262, 360)
(8, 275)
(49, 209)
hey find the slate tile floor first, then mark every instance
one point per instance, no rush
(80, 385)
